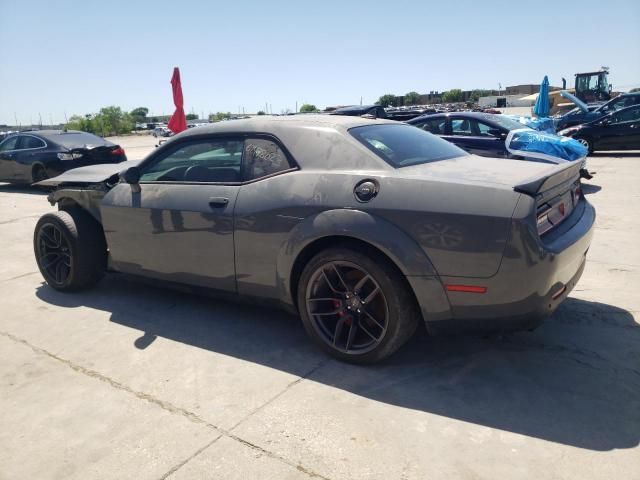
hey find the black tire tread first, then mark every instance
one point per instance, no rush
(403, 308)
(87, 244)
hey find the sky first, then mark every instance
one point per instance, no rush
(67, 57)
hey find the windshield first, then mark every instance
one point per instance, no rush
(404, 145)
(506, 122)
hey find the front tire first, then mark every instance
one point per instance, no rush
(356, 306)
(587, 142)
(70, 249)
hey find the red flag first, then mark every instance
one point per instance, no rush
(178, 122)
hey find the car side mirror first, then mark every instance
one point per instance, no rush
(131, 175)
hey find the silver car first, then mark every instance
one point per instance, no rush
(366, 228)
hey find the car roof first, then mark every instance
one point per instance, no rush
(476, 115)
(355, 108)
(331, 147)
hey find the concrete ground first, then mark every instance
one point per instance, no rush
(135, 381)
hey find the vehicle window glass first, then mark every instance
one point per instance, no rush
(198, 161)
(483, 129)
(434, 125)
(263, 157)
(404, 145)
(73, 139)
(9, 144)
(631, 115)
(31, 142)
(464, 127)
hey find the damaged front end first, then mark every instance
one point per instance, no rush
(84, 187)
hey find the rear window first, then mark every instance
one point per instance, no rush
(404, 145)
(79, 140)
(505, 122)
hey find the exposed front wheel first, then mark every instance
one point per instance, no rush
(357, 307)
(70, 249)
(586, 142)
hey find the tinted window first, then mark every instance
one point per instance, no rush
(464, 127)
(404, 145)
(78, 139)
(506, 122)
(434, 125)
(631, 115)
(263, 157)
(31, 142)
(198, 161)
(9, 144)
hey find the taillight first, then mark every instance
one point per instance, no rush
(117, 151)
(555, 211)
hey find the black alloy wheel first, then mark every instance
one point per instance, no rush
(347, 307)
(355, 304)
(54, 256)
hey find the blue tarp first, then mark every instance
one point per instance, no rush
(534, 144)
(542, 124)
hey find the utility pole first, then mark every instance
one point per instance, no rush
(296, 106)
(15, 117)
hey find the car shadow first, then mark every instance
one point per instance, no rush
(588, 188)
(22, 188)
(620, 154)
(574, 381)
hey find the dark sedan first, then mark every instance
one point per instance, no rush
(588, 113)
(617, 131)
(29, 157)
(364, 227)
(480, 133)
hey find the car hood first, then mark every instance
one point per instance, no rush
(89, 174)
(473, 169)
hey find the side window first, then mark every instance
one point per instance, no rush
(483, 130)
(435, 126)
(630, 115)
(464, 127)
(9, 144)
(205, 161)
(31, 142)
(261, 158)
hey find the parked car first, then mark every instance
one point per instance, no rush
(29, 157)
(588, 113)
(161, 132)
(364, 227)
(376, 111)
(619, 130)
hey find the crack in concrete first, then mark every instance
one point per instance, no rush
(14, 220)
(188, 459)
(175, 409)
(18, 276)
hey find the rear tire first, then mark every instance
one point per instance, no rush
(382, 323)
(38, 174)
(70, 249)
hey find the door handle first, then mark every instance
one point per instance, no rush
(218, 202)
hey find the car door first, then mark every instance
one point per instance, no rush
(623, 131)
(466, 134)
(31, 150)
(8, 151)
(178, 225)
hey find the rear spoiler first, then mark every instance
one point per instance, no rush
(555, 176)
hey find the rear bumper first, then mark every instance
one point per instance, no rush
(533, 280)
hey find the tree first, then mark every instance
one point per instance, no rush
(476, 94)
(261, 112)
(452, 96)
(412, 98)
(191, 116)
(114, 120)
(139, 115)
(216, 117)
(387, 100)
(306, 108)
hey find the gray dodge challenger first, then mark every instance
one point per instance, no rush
(363, 227)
